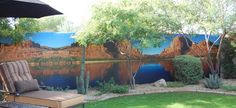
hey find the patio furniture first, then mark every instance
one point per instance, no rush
(19, 105)
(19, 86)
(26, 9)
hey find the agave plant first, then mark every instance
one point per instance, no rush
(213, 82)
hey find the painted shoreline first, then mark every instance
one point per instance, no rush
(61, 62)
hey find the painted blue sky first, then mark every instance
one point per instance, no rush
(52, 39)
(166, 44)
(58, 40)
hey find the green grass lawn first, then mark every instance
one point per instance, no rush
(168, 100)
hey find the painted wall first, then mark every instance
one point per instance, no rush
(54, 58)
(57, 40)
(52, 39)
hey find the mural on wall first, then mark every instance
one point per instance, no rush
(50, 44)
(55, 58)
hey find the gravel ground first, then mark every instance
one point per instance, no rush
(149, 88)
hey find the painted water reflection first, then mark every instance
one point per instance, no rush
(65, 76)
(151, 73)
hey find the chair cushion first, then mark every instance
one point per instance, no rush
(15, 71)
(26, 86)
(51, 95)
(51, 99)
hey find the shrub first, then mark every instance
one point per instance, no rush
(51, 88)
(112, 87)
(213, 82)
(228, 67)
(175, 84)
(229, 87)
(188, 69)
(120, 89)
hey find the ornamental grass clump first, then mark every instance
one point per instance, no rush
(175, 84)
(228, 87)
(188, 69)
(213, 82)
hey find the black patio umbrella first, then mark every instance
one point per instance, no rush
(26, 9)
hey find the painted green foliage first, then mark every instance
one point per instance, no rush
(56, 24)
(51, 23)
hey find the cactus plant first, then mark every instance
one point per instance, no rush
(87, 82)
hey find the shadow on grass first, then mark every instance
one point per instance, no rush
(168, 100)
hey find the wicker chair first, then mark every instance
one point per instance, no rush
(12, 72)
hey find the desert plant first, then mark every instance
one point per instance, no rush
(106, 86)
(174, 84)
(120, 89)
(112, 87)
(51, 88)
(213, 82)
(228, 87)
(87, 82)
(83, 84)
(1, 93)
(188, 69)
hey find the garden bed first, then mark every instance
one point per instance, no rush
(149, 88)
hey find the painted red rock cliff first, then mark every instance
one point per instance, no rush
(28, 50)
(180, 46)
(124, 48)
(201, 49)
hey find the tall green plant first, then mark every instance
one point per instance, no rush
(81, 77)
(82, 81)
(87, 82)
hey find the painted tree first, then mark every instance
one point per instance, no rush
(127, 20)
(56, 24)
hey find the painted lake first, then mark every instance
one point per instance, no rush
(64, 76)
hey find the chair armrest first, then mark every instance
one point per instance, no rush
(3, 91)
(11, 93)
